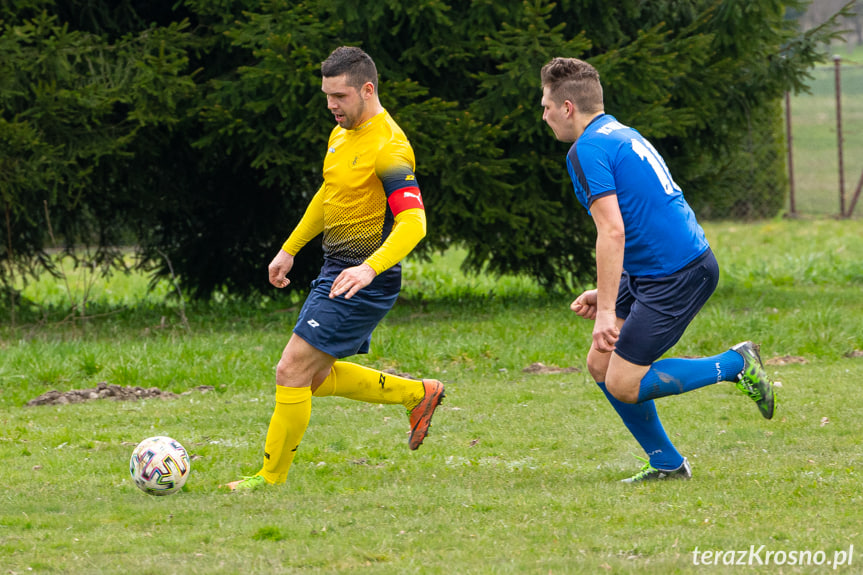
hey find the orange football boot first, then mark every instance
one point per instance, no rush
(420, 416)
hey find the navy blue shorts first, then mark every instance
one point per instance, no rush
(658, 310)
(343, 327)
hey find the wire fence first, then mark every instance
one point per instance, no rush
(825, 142)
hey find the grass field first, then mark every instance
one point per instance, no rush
(815, 142)
(520, 474)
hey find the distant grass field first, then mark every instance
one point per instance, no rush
(520, 473)
(815, 143)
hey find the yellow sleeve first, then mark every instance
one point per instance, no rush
(408, 230)
(311, 224)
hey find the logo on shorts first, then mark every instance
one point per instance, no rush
(313, 323)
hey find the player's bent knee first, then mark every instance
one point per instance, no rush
(283, 372)
(596, 374)
(622, 392)
(597, 366)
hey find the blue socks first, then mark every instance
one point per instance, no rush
(674, 376)
(643, 422)
(670, 377)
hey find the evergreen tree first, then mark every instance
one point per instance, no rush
(198, 128)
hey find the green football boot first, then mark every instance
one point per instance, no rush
(753, 380)
(650, 473)
(248, 483)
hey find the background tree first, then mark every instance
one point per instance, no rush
(197, 128)
(73, 106)
(816, 13)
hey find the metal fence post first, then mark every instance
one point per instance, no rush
(856, 196)
(837, 60)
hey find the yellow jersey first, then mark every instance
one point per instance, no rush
(369, 181)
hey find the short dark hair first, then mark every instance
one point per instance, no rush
(353, 62)
(574, 80)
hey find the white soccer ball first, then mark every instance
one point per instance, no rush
(160, 466)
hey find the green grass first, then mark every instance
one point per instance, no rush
(520, 472)
(815, 141)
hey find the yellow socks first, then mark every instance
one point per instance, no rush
(294, 408)
(287, 426)
(365, 384)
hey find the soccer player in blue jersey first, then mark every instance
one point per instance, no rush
(654, 269)
(370, 211)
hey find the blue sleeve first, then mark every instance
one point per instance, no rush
(590, 167)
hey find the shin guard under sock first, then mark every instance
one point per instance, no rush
(643, 423)
(287, 426)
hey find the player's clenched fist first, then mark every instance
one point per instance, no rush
(279, 268)
(585, 305)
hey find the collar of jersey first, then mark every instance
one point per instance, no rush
(368, 122)
(596, 120)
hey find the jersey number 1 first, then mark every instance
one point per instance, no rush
(646, 151)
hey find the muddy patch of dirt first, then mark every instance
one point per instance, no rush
(109, 391)
(786, 360)
(543, 369)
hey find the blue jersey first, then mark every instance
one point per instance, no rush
(662, 234)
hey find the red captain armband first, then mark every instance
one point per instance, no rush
(406, 198)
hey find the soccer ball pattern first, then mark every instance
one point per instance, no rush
(159, 466)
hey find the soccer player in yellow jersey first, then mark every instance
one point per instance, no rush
(371, 213)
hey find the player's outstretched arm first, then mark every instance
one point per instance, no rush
(610, 244)
(311, 224)
(409, 228)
